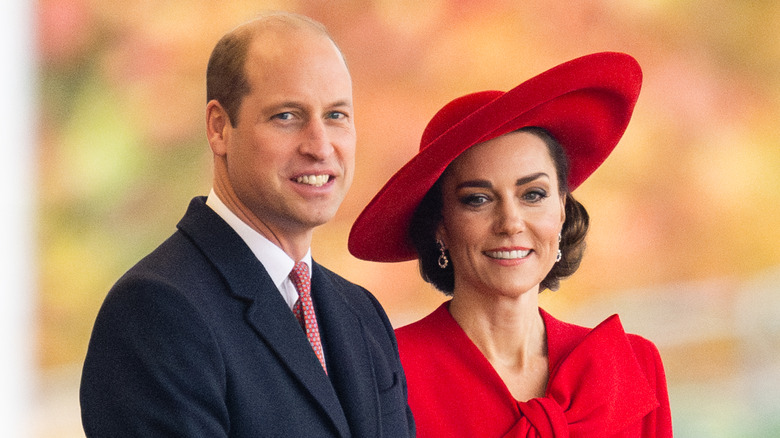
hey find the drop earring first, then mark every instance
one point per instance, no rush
(560, 254)
(443, 260)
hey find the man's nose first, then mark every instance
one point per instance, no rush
(316, 142)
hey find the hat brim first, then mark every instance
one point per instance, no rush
(585, 104)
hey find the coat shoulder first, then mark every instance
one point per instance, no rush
(357, 297)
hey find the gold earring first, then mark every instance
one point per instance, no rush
(560, 254)
(443, 260)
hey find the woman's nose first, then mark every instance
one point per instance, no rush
(510, 219)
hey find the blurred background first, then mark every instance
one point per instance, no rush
(685, 228)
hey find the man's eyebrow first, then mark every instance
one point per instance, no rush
(292, 104)
(286, 104)
(341, 104)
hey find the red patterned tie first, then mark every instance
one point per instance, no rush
(304, 309)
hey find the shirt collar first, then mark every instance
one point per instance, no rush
(274, 259)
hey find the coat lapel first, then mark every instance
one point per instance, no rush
(274, 322)
(347, 354)
(266, 312)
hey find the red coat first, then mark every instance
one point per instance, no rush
(603, 382)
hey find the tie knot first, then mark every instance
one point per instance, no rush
(300, 278)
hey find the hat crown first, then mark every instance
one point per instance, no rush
(455, 112)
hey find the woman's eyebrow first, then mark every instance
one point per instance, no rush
(477, 183)
(485, 184)
(529, 178)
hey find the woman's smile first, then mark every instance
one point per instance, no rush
(511, 254)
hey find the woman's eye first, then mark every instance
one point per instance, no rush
(535, 195)
(474, 200)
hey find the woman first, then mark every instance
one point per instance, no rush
(486, 206)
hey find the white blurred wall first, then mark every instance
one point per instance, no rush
(17, 221)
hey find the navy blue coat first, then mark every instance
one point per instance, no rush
(196, 341)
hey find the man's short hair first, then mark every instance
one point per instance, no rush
(226, 80)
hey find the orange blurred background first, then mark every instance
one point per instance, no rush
(684, 213)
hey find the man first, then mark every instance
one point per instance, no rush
(200, 338)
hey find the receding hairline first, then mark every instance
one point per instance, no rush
(226, 72)
(279, 21)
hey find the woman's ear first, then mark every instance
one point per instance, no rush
(563, 208)
(441, 235)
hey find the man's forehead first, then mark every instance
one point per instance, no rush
(281, 29)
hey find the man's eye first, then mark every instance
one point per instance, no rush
(283, 116)
(336, 115)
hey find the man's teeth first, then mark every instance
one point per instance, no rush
(514, 254)
(313, 180)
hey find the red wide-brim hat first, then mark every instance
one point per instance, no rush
(585, 104)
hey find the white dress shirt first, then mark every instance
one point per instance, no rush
(276, 262)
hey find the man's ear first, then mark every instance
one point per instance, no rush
(217, 127)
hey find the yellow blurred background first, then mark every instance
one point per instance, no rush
(685, 229)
